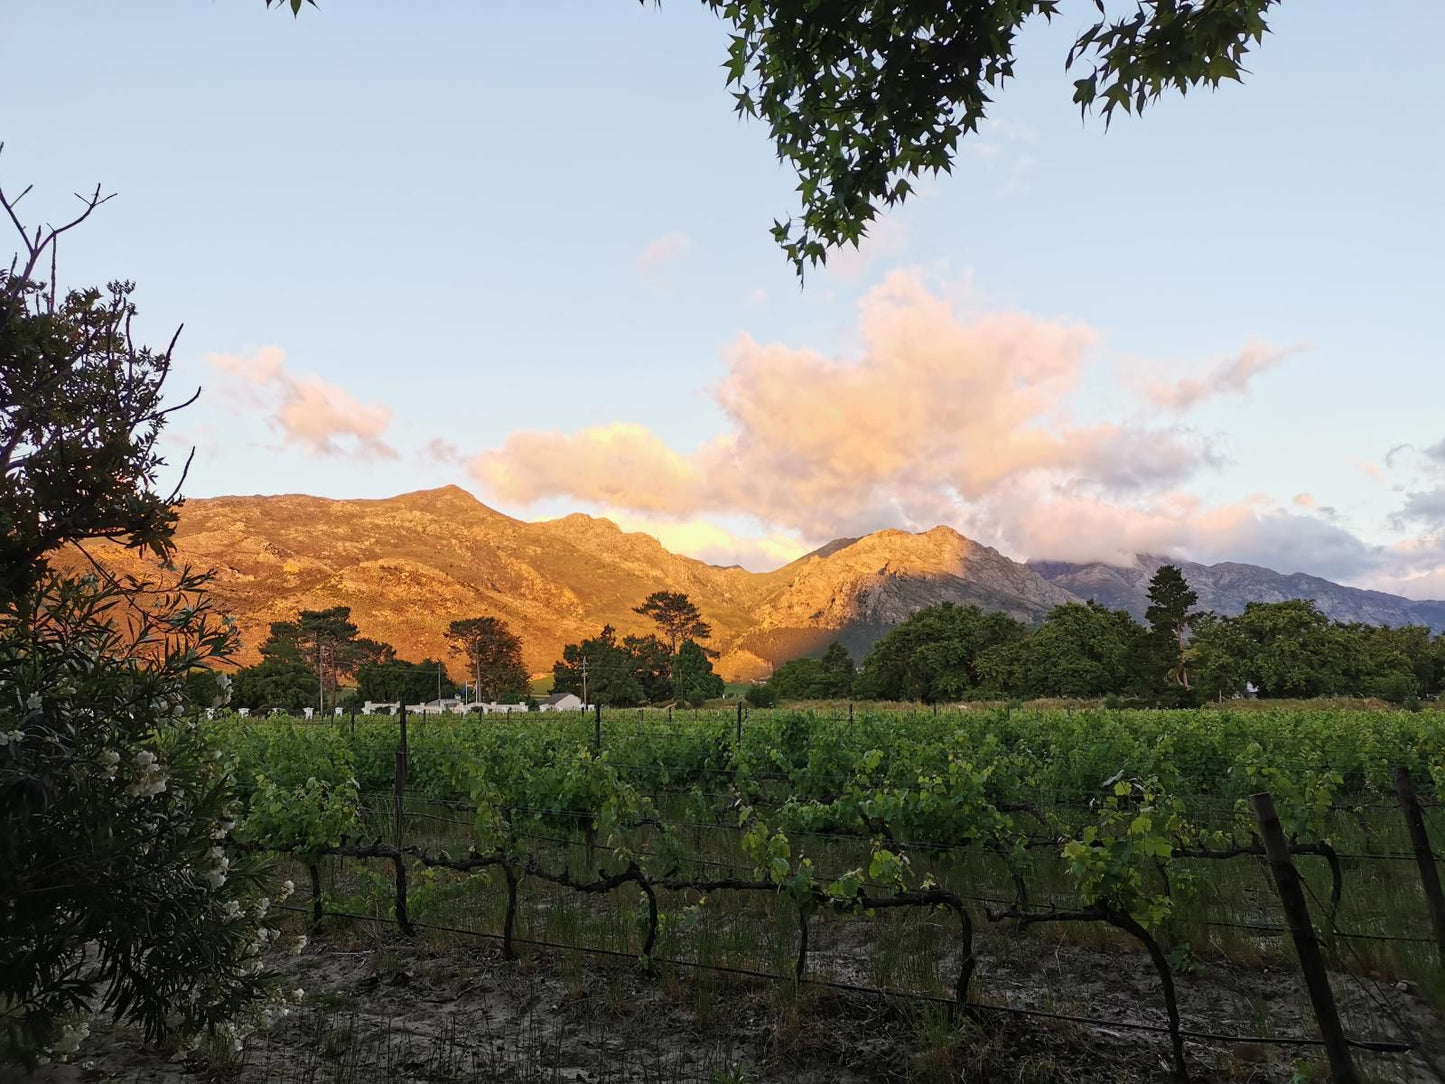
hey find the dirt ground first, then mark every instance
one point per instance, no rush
(380, 1009)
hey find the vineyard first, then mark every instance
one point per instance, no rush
(1180, 878)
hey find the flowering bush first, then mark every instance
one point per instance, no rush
(116, 894)
(115, 891)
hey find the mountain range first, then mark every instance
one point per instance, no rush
(409, 565)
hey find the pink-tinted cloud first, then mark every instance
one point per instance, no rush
(708, 541)
(1230, 377)
(320, 417)
(935, 415)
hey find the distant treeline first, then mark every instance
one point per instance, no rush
(1179, 656)
(305, 663)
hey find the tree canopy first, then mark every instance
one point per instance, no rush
(329, 642)
(601, 670)
(862, 97)
(1084, 650)
(676, 616)
(1170, 616)
(80, 415)
(396, 680)
(693, 680)
(935, 654)
(494, 656)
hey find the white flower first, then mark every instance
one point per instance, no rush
(262, 906)
(33, 702)
(298, 994)
(231, 911)
(13, 737)
(144, 759)
(287, 887)
(216, 878)
(298, 944)
(71, 1036)
(223, 690)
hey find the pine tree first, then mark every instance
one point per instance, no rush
(1170, 616)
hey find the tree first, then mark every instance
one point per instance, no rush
(397, 680)
(80, 414)
(652, 666)
(275, 682)
(1080, 650)
(862, 97)
(114, 895)
(798, 679)
(328, 640)
(494, 654)
(838, 671)
(600, 670)
(676, 617)
(761, 696)
(1220, 656)
(1294, 650)
(1170, 616)
(692, 678)
(935, 654)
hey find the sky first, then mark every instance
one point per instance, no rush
(524, 248)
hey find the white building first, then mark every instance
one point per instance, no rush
(491, 707)
(561, 702)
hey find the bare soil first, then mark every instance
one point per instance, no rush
(383, 1009)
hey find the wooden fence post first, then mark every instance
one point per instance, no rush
(1307, 945)
(403, 920)
(316, 908)
(740, 724)
(1424, 856)
(597, 727)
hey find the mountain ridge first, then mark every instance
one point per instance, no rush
(1227, 586)
(408, 565)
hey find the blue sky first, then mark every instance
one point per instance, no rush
(524, 248)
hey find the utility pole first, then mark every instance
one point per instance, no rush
(584, 682)
(320, 677)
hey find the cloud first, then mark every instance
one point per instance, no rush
(1230, 377)
(965, 418)
(707, 541)
(321, 417)
(665, 250)
(1424, 486)
(441, 451)
(937, 420)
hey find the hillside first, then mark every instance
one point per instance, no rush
(1227, 587)
(408, 565)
